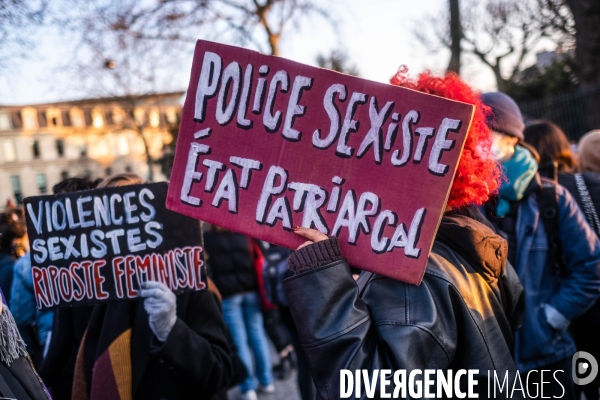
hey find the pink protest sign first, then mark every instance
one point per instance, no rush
(266, 144)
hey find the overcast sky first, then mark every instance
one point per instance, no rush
(377, 34)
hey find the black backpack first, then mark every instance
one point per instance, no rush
(548, 205)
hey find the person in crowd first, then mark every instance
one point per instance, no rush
(280, 336)
(589, 164)
(589, 152)
(68, 326)
(11, 229)
(160, 346)
(73, 185)
(461, 316)
(276, 330)
(231, 258)
(552, 247)
(553, 148)
(275, 272)
(18, 378)
(34, 325)
(558, 163)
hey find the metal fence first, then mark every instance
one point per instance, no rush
(576, 112)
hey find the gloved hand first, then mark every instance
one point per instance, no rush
(160, 303)
(555, 319)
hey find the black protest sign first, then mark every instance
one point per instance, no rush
(98, 245)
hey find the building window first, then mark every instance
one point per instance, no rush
(35, 148)
(154, 118)
(30, 121)
(83, 150)
(41, 183)
(122, 145)
(64, 175)
(128, 168)
(53, 117)
(77, 118)
(4, 122)
(138, 115)
(97, 119)
(171, 116)
(108, 171)
(60, 147)
(29, 117)
(8, 150)
(66, 118)
(118, 116)
(16, 186)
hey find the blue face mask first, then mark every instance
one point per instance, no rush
(519, 170)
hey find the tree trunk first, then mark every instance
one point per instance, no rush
(586, 14)
(274, 44)
(455, 37)
(502, 84)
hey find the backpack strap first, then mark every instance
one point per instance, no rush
(586, 204)
(548, 205)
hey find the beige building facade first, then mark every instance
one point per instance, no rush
(42, 144)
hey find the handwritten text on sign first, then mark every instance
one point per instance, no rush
(99, 245)
(266, 144)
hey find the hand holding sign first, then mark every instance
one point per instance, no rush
(161, 306)
(312, 235)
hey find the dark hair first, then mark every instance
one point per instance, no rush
(73, 185)
(552, 145)
(124, 179)
(12, 226)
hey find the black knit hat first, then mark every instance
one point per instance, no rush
(506, 116)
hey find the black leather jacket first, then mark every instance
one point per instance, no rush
(462, 315)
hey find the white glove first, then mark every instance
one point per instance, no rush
(555, 319)
(160, 303)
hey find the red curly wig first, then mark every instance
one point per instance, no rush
(478, 174)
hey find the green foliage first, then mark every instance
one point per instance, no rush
(535, 83)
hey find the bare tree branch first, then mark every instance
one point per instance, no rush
(493, 30)
(18, 19)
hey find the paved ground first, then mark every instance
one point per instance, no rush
(284, 389)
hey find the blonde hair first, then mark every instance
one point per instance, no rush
(589, 152)
(124, 179)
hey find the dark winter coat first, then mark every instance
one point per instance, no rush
(587, 326)
(230, 263)
(20, 381)
(58, 366)
(537, 344)
(461, 316)
(6, 274)
(194, 361)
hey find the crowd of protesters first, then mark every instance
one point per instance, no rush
(511, 285)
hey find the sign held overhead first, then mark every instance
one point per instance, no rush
(266, 144)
